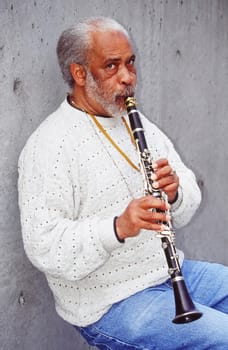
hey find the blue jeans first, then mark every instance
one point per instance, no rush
(144, 320)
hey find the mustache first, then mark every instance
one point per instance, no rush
(129, 91)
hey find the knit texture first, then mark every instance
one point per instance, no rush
(72, 183)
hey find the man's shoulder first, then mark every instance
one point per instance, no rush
(57, 125)
(55, 130)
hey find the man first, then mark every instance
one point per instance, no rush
(86, 222)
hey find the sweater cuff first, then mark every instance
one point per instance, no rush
(107, 235)
(115, 230)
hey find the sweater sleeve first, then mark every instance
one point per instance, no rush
(55, 240)
(189, 195)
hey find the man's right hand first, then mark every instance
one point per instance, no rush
(139, 214)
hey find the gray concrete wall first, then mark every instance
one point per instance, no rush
(182, 49)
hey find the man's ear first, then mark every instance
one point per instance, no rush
(78, 73)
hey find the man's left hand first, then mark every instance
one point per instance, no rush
(165, 178)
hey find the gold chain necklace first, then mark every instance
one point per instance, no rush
(104, 132)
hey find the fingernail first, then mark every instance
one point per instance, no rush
(154, 177)
(154, 165)
(155, 184)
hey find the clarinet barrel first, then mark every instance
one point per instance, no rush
(185, 308)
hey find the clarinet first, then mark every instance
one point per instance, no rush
(185, 308)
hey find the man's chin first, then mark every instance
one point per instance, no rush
(117, 110)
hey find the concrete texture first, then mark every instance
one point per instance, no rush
(182, 49)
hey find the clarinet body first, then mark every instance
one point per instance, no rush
(185, 308)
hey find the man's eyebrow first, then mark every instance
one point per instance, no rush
(112, 59)
(117, 59)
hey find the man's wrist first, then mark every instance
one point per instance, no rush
(174, 199)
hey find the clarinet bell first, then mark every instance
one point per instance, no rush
(185, 308)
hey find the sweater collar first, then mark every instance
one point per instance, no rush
(105, 121)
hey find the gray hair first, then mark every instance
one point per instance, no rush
(74, 43)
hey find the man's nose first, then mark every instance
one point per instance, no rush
(126, 77)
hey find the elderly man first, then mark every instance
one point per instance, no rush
(86, 222)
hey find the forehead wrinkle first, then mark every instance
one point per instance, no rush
(107, 48)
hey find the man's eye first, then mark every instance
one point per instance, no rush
(131, 62)
(111, 66)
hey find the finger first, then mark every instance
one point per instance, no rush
(162, 172)
(153, 226)
(159, 163)
(150, 202)
(167, 180)
(155, 217)
(171, 188)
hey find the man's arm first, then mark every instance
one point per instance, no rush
(55, 240)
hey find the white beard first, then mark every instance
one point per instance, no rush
(106, 99)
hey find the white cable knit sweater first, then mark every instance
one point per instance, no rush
(72, 183)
